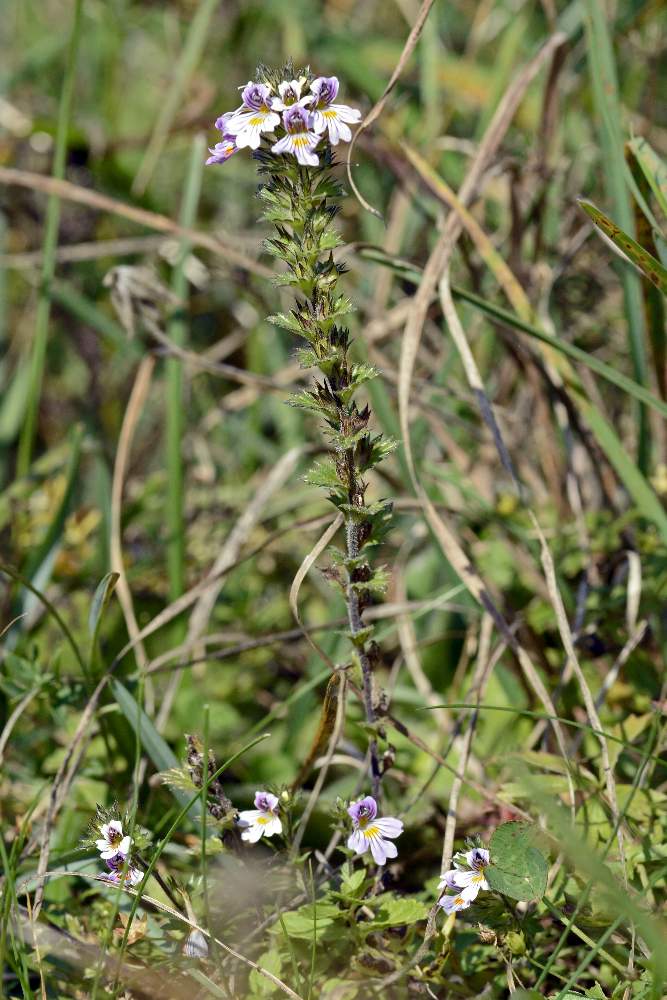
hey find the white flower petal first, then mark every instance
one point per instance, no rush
(252, 834)
(283, 145)
(357, 842)
(273, 826)
(345, 113)
(249, 816)
(378, 849)
(389, 826)
(452, 904)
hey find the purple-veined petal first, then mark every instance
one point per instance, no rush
(390, 826)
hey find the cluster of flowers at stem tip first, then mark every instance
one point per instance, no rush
(465, 880)
(298, 121)
(115, 848)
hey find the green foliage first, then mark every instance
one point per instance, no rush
(518, 869)
(180, 460)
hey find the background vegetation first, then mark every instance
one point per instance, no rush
(526, 559)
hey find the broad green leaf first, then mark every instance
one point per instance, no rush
(517, 868)
(646, 262)
(272, 962)
(302, 923)
(396, 912)
(352, 882)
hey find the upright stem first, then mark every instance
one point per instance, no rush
(301, 202)
(356, 626)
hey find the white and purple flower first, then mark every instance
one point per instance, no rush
(263, 820)
(119, 875)
(370, 832)
(330, 116)
(301, 138)
(254, 116)
(290, 95)
(305, 119)
(112, 842)
(465, 879)
(227, 145)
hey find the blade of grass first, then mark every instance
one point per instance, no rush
(607, 105)
(411, 272)
(654, 170)
(185, 67)
(174, 392)
(155, 746)
(646, 262)
(38, 359)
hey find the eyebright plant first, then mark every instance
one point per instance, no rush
(304, 119)
(466, 878)
(263, 820)
(373, 832)
(291, 120)
(107, 834)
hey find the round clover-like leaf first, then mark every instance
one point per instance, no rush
(517, 868)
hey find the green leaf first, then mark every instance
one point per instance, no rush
(646, 262)
(631, 476)
(105, 589)
(155, 746)
(301, 923)
(272, 962)
(517, 868)
(352, 881)
(653, 168)
(398, 912)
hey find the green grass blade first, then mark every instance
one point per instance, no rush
(493, 311)
(38, 359)
(653, 168)
(646, 262)
(607, 106)
(155, 746)
(185, 67)
(630, 474)
(174, 390)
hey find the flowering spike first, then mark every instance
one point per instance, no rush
(301, 204)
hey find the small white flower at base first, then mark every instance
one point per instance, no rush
(112, 841)
(452, 904)
(132, 876)
(370, 832)
(263, 820)
(466, 882)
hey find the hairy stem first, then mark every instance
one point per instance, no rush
(302, 203)
(356, 626)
